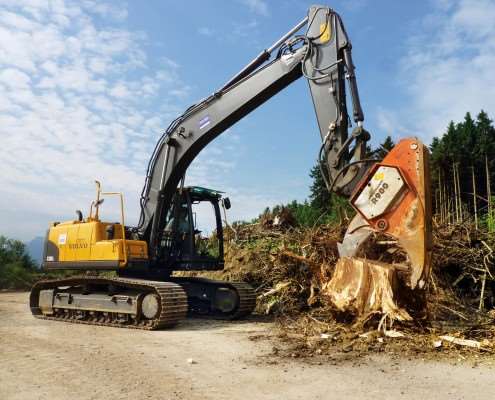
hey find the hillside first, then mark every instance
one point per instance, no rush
(35, 249)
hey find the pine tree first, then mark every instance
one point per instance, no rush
(384, 147)
(382, 150)
(485, 144)
(320, 198)
(458, 162)
(485, 154)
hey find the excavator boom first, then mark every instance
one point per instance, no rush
(323, 56)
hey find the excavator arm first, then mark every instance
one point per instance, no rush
(323, 56)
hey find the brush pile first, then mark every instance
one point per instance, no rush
(286, 265)
(462, 289)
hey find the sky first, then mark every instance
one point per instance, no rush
(87, 87)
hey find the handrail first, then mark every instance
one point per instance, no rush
(121, 219)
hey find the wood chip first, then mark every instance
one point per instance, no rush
(462, 342)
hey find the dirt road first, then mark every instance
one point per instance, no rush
(52, 360)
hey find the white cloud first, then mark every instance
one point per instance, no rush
(14, 79)
(19, 22)
(448, 68)
(77, 103)
(120, 90)
(106, 10)
(354, 5)
(205, 31)
(257, 6)
(391, 125)
(244, 30)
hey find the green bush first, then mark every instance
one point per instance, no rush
(17, 269)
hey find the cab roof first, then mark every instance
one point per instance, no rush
(201, 193)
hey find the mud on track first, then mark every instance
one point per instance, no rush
(52, 360)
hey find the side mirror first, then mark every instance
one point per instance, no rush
(226, 203)
(79, 215)
(100, 202)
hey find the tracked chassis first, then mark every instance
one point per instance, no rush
(120, 302)
(138, 303)
(218, 299)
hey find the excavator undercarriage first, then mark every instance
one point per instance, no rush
(138, 303)
(119, 302)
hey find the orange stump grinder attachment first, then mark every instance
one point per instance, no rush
(390, 236)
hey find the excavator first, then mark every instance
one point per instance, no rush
(391, 197)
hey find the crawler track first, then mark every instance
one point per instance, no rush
(172, 303)
(247, 299)
(245, 304)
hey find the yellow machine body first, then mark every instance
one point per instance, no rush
(83, 244)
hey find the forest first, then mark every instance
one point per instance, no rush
(463, 171)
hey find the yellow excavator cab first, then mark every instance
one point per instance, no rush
(75, 244)
(91, 243)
